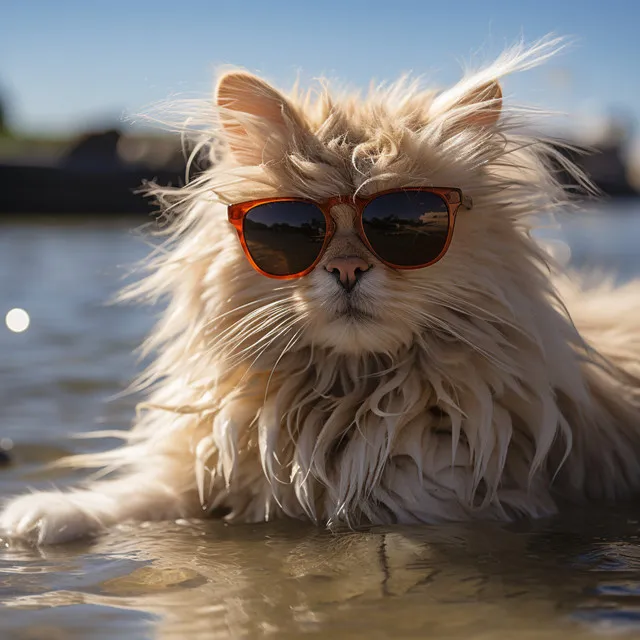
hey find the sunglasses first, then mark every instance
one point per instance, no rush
(404, 228)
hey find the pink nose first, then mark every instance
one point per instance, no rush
(347, 269)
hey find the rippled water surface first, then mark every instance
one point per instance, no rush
(574, 576)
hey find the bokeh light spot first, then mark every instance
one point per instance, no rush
(17, 320)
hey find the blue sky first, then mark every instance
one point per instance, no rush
(66, 65)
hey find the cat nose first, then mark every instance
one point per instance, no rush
(347, 269)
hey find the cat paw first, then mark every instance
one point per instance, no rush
(46, 518)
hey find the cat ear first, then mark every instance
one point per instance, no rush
(253, 114)
(476, 106)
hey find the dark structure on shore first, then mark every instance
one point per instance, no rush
(604, 164)
(103, 174)
(91, 178)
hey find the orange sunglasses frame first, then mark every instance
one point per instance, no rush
(453, 198)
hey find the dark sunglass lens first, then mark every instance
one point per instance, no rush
(407, 228)
(284, 238)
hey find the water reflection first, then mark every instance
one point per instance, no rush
(212, 580)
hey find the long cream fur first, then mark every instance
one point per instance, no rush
(484, 386)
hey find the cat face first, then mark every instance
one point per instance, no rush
(397, 138)
(357, 318)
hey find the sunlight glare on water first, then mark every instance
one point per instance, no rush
(17, 320)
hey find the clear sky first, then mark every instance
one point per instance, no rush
(67, 64)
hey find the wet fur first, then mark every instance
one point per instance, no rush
(486, 386)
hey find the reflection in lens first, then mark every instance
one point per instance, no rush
(284, 238)
(407, 228)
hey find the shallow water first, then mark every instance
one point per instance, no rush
(572, 576)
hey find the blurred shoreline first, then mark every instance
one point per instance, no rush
(104, 172)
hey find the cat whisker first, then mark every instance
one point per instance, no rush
(466, 307)
(251, 323)
(271, 302)
(259, 328)
(448, 329)
(264, 349)
(275, 299)
(256, 344)
(287, 348)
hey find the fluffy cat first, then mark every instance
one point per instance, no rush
(483, 386)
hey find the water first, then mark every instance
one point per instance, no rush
(573, 576)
